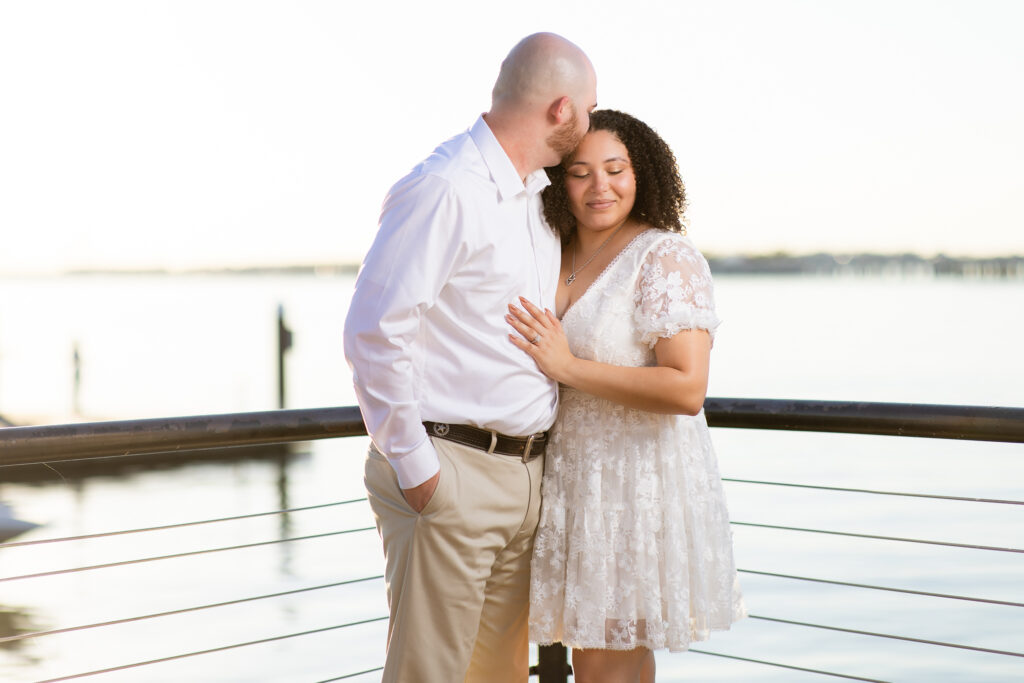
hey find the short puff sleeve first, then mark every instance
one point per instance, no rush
(674, 292)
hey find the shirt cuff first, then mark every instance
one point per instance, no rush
(416, 466)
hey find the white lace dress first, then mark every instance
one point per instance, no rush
(634, 546)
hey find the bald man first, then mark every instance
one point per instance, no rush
(458, 416)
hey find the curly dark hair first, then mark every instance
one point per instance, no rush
(660, 195)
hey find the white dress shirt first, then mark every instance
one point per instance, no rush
(460, 238)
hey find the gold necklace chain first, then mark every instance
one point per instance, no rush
(572, 276)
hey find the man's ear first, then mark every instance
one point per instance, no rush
(560, 110)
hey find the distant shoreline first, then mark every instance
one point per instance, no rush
(868, 264)
(760, 264)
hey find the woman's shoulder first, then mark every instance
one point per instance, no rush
(660, 245)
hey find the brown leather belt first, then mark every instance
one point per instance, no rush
(524, 447)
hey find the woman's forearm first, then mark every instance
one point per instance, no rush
(677, 384)
(656, 389)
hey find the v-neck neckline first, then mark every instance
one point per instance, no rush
(607, 268)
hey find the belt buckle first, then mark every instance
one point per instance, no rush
(529, 445)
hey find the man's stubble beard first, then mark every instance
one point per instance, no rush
(565, 138)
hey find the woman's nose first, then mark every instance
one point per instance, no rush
(600, 181)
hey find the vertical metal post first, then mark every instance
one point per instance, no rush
(284, 342)
(76, 359)
(552, 665)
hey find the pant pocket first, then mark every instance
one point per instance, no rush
(441, 495)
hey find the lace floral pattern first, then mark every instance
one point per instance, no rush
(634, 546)
(674, 292)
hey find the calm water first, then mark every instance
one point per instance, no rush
(153, 346)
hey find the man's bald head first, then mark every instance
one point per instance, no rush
(540, 69)
(541, 103)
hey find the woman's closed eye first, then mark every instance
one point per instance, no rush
(611, 171)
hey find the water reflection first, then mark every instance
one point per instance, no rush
(15, 621)
(112, 494)
(11, 526)
(285, 520)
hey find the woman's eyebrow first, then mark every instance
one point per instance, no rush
(608, 160)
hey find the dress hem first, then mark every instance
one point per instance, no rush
(700, 637)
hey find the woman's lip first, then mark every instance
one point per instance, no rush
(603, 204)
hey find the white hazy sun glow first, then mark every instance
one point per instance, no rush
(185, 134)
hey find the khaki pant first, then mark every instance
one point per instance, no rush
(458, 573)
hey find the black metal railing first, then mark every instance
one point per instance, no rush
(54, 443)
(51, 444)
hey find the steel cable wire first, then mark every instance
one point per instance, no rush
(790, 666)
(890, 636)
(185, 554)
(196, 608)
(178, 525)
(222, 648)
(933, 496)
(908, 591)
(881, 538)
(352, 675)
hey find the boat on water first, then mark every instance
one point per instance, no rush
(10, 526)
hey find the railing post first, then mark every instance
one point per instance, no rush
(284, 342)
(552, 665)
(76, 390)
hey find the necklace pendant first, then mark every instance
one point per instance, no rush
(571, 279)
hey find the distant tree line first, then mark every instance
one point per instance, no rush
(868, 264)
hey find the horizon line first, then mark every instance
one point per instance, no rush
(822, 258)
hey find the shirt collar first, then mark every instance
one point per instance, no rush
(503, 171)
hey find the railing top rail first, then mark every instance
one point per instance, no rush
(88, 440)
(972, 423)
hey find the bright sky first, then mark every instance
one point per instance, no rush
(189, 133)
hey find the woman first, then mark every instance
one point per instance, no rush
(634, 551)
